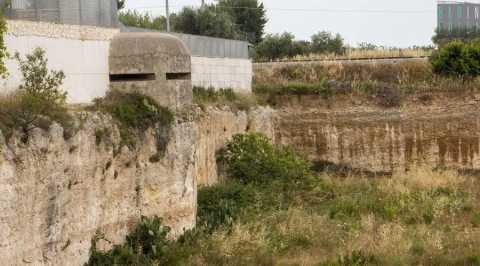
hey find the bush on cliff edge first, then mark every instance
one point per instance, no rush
(38, 101)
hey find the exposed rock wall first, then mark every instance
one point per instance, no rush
(55, 194)
(442, 133)
(216, 126)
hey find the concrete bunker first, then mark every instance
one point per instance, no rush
(154, 64)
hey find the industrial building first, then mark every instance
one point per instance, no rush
(457, 15)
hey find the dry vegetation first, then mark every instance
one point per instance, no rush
(419, 218)
(356, 53)
(391, 81)
(275, 211)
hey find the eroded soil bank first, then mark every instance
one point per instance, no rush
(435, 129)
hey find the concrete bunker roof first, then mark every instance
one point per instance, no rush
(145, 43)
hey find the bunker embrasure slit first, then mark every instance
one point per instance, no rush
(132, 77)
(178, 76)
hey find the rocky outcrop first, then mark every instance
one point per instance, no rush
(55, 194)
(444, 132)
(216, 126)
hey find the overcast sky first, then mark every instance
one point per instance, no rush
(399, 23)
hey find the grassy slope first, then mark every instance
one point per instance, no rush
(419, 218)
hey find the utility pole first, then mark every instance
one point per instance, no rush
(168, 15)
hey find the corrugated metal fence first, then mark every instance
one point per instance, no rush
(207, 46)
(101, 13)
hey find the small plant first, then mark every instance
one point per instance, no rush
(145, 245)
(476, 219)
(135, 113)
(39, 99)
(100, 135)
(3, 47)
(252, 158)
(457, 59)
(211, 96)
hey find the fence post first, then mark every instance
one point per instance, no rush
(37, 15)
(80, 12)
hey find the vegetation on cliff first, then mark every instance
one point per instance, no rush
(134, 114)
(38, 101)
(386, 84)
(204, 97)
(296, 217)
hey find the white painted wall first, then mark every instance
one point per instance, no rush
(81, 52)
(85, 64)
(222, 73)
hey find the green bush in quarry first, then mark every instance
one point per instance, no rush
(457, 59)
(146, 244)
(252, 158)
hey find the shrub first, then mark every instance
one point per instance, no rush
(326, 42)
(3, 47)
(220, 97)
(251, 158)
(39, 99)
(135, 113)
(457, 59)
(145, 245)
(221, 205)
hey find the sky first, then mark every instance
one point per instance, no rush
(394, 23)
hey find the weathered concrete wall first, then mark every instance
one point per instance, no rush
(162, 55)
(80, 51)
(55, 194)
(217, 126)
(235, 73)
(446, 133)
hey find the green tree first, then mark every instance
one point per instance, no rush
(120, 4)
(453, 59)
(3, 47)
(145, 20)
(326, 42)
(276, 46)
(249, 15)
(208, 21)
(39, 99)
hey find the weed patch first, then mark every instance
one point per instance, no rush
(204, 97)
(135, 113)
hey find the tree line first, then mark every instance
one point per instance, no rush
(236, 19)
(231, 19)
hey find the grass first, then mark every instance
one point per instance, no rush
(204, 97)
(387, 84)
(357, 53)
(134, 114)
(423, 217)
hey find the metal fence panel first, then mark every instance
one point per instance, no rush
(101, 13)
(206, 46)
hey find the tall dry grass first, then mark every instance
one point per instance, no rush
(408, 76)
(306, 234)
(356, 53)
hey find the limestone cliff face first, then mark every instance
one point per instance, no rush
(55, 194)
(216, 126)
(443, 133)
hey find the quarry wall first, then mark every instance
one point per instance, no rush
(216, 127)
(440, 133)
(56, 194)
